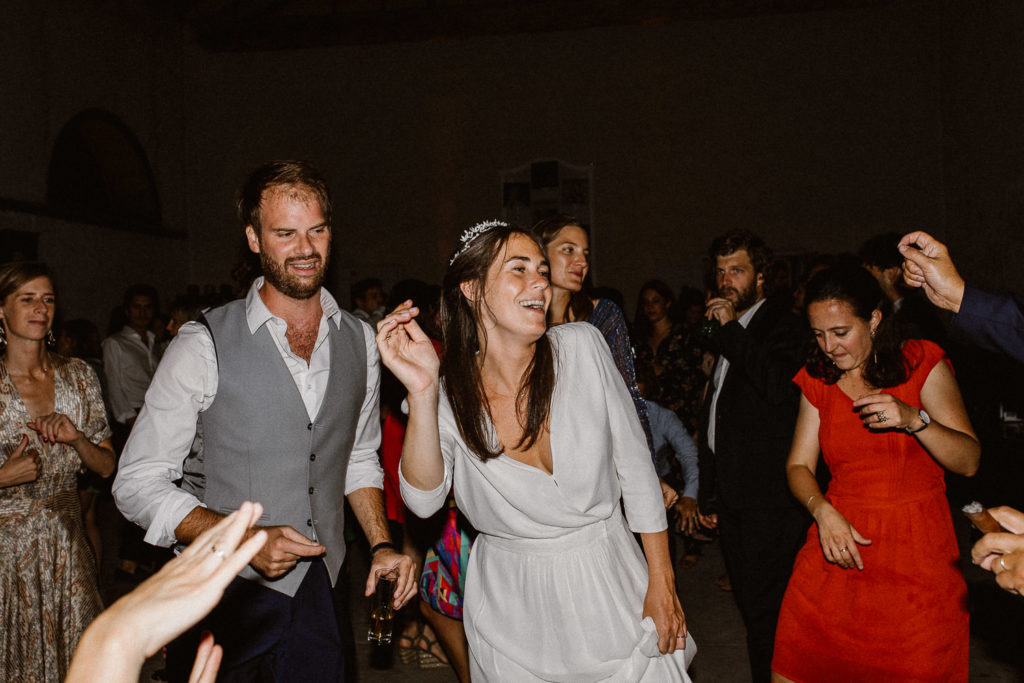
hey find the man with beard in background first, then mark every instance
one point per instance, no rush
(746, 428)
(285, 386)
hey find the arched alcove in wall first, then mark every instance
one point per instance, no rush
(99, 174)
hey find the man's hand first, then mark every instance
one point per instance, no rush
(929, 266)
(284, 548)
(408, 576)
(687, 522)
(720, 309)
(1010, 519)
(1003, 553)
(709, 521)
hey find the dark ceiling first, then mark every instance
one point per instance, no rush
(245, 25)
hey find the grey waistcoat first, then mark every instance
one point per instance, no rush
(259, 445)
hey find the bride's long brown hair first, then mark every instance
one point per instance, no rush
(460, 369)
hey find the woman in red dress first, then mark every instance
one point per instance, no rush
(876, 592)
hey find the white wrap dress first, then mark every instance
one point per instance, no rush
(556, 581)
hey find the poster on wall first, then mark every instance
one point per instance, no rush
(546, 187)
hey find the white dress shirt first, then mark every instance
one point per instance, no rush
(185, 384)
(129, 364)
(719, 375)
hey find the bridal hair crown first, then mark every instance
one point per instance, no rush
(472, 233)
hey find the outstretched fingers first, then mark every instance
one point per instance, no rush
(207, 662)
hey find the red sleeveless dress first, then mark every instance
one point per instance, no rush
(904, 617)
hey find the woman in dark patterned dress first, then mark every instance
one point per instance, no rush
(52, 425)
(670, 352)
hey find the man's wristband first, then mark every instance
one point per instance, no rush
(381, 546)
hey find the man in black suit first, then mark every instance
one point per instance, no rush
(746, 429)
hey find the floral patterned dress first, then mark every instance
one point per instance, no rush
(48, 592)
(680, 385)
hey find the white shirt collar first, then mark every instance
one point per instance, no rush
(257, 313)
(749, 313)
(129, 333)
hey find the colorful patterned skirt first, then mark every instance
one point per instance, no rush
(443, 580)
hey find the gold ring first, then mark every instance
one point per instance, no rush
(1003, 564)
(882, 417)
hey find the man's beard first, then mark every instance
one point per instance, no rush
(745, 298)
(288, 284)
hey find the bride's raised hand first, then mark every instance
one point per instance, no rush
(406, 350)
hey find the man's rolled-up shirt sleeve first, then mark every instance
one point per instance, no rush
(364, 470)
(185, 383)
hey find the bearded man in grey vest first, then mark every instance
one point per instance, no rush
(284, 386)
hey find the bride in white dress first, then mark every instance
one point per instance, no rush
(542, 444)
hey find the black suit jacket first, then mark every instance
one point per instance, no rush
(918, 319)
(755, 414)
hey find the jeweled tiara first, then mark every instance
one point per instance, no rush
(472, 233)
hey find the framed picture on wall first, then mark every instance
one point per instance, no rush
(546, 187)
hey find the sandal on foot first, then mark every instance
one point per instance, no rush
(431, 654)
(408, 653)
(429, 661)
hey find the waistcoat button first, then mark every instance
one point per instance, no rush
(309, 522)
(312, 456)
(311, 489)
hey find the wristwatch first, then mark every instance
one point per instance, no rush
(924, 418)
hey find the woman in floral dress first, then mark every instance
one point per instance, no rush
(52, 425)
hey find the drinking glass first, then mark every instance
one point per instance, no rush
(382, 612)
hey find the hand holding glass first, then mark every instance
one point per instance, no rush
(382, 612)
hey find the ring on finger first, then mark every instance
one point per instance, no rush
(882, 417)
(218, 552)
(843, 549)
(1003, 564)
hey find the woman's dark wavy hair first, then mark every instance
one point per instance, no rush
(851, 284)
(460, 371)
(545, 231)
(642, 328)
